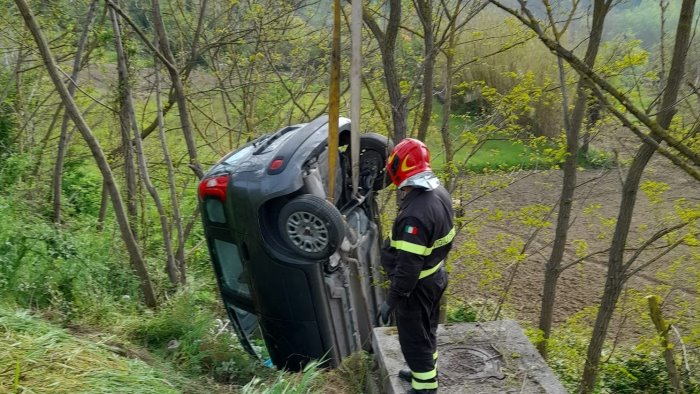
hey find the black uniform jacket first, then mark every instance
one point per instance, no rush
(420, 240)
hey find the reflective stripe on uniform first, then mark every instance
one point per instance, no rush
(424, 380)
(425, 375)
(411, 248)
(435, 355)
(416, 385)
(420, 249)
(444, 240)
(428, 272)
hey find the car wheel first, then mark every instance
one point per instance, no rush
(374, 149)
(311, 226)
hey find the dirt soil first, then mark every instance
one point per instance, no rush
(581, 285)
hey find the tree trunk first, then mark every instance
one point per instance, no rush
(616, 277)
(124, 92)
(174, 204)
(64, 138)
(195, 39)
(425, 14)
(593, 112)
(387, 46)
(137, 260)
(662, 328)
(447, 103)
(566, 199)
(128, 153)
(180, 95)
(130, 117)
(613, 287)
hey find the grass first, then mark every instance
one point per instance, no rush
(36, 356)
(502, 153)
(183, 331)
(494, 154)
(499, 154)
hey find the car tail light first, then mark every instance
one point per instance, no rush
(275, 165)
(214, 187)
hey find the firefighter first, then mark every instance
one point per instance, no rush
(414, 259)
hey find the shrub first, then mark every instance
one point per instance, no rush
(185, 332)
(350, 377)
(462, 312)
(639, 373)
(596, 159)
(81, 189)
(12, 167)
(66, 270)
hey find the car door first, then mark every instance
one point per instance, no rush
(235, 287)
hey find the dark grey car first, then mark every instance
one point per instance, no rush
(295, 268)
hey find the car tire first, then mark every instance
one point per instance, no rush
(311, 226)
(374, 149)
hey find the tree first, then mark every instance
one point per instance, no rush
(137, 260)
(64, 138)
(129, 127)
(387, 47)
(619, 269)
(573, 125)
(424, 9)
(620, 265)
(179, 89)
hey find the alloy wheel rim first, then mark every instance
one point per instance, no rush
(307, 232)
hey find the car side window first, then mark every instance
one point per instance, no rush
(234, 274)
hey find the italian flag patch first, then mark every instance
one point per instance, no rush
(411, 230)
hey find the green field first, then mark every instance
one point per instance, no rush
(497, 153)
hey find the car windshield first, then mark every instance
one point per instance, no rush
(236, 157)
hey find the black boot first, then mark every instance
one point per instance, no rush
(406, 375)
(414, 391)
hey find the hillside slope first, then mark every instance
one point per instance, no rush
(37, 356)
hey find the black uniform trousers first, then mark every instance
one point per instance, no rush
(417, 319)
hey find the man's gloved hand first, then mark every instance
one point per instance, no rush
(384, 314)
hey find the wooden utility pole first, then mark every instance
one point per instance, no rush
(355, 91)
(334, 102)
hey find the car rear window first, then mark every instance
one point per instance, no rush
(239, 155)
(234, 275)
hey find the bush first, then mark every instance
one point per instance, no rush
(185, 333)
(596, 159)
(462, 312)
(639, 373)
(12, 167)
(351, 376)
(65, 270)
(81, 189)
(627, 371)
(8, 120)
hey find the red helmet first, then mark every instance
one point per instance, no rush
(409, 157)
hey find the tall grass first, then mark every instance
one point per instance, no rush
(185, 332)
(349, 378)
(285, 383)
(73, 271)
(39, 357)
